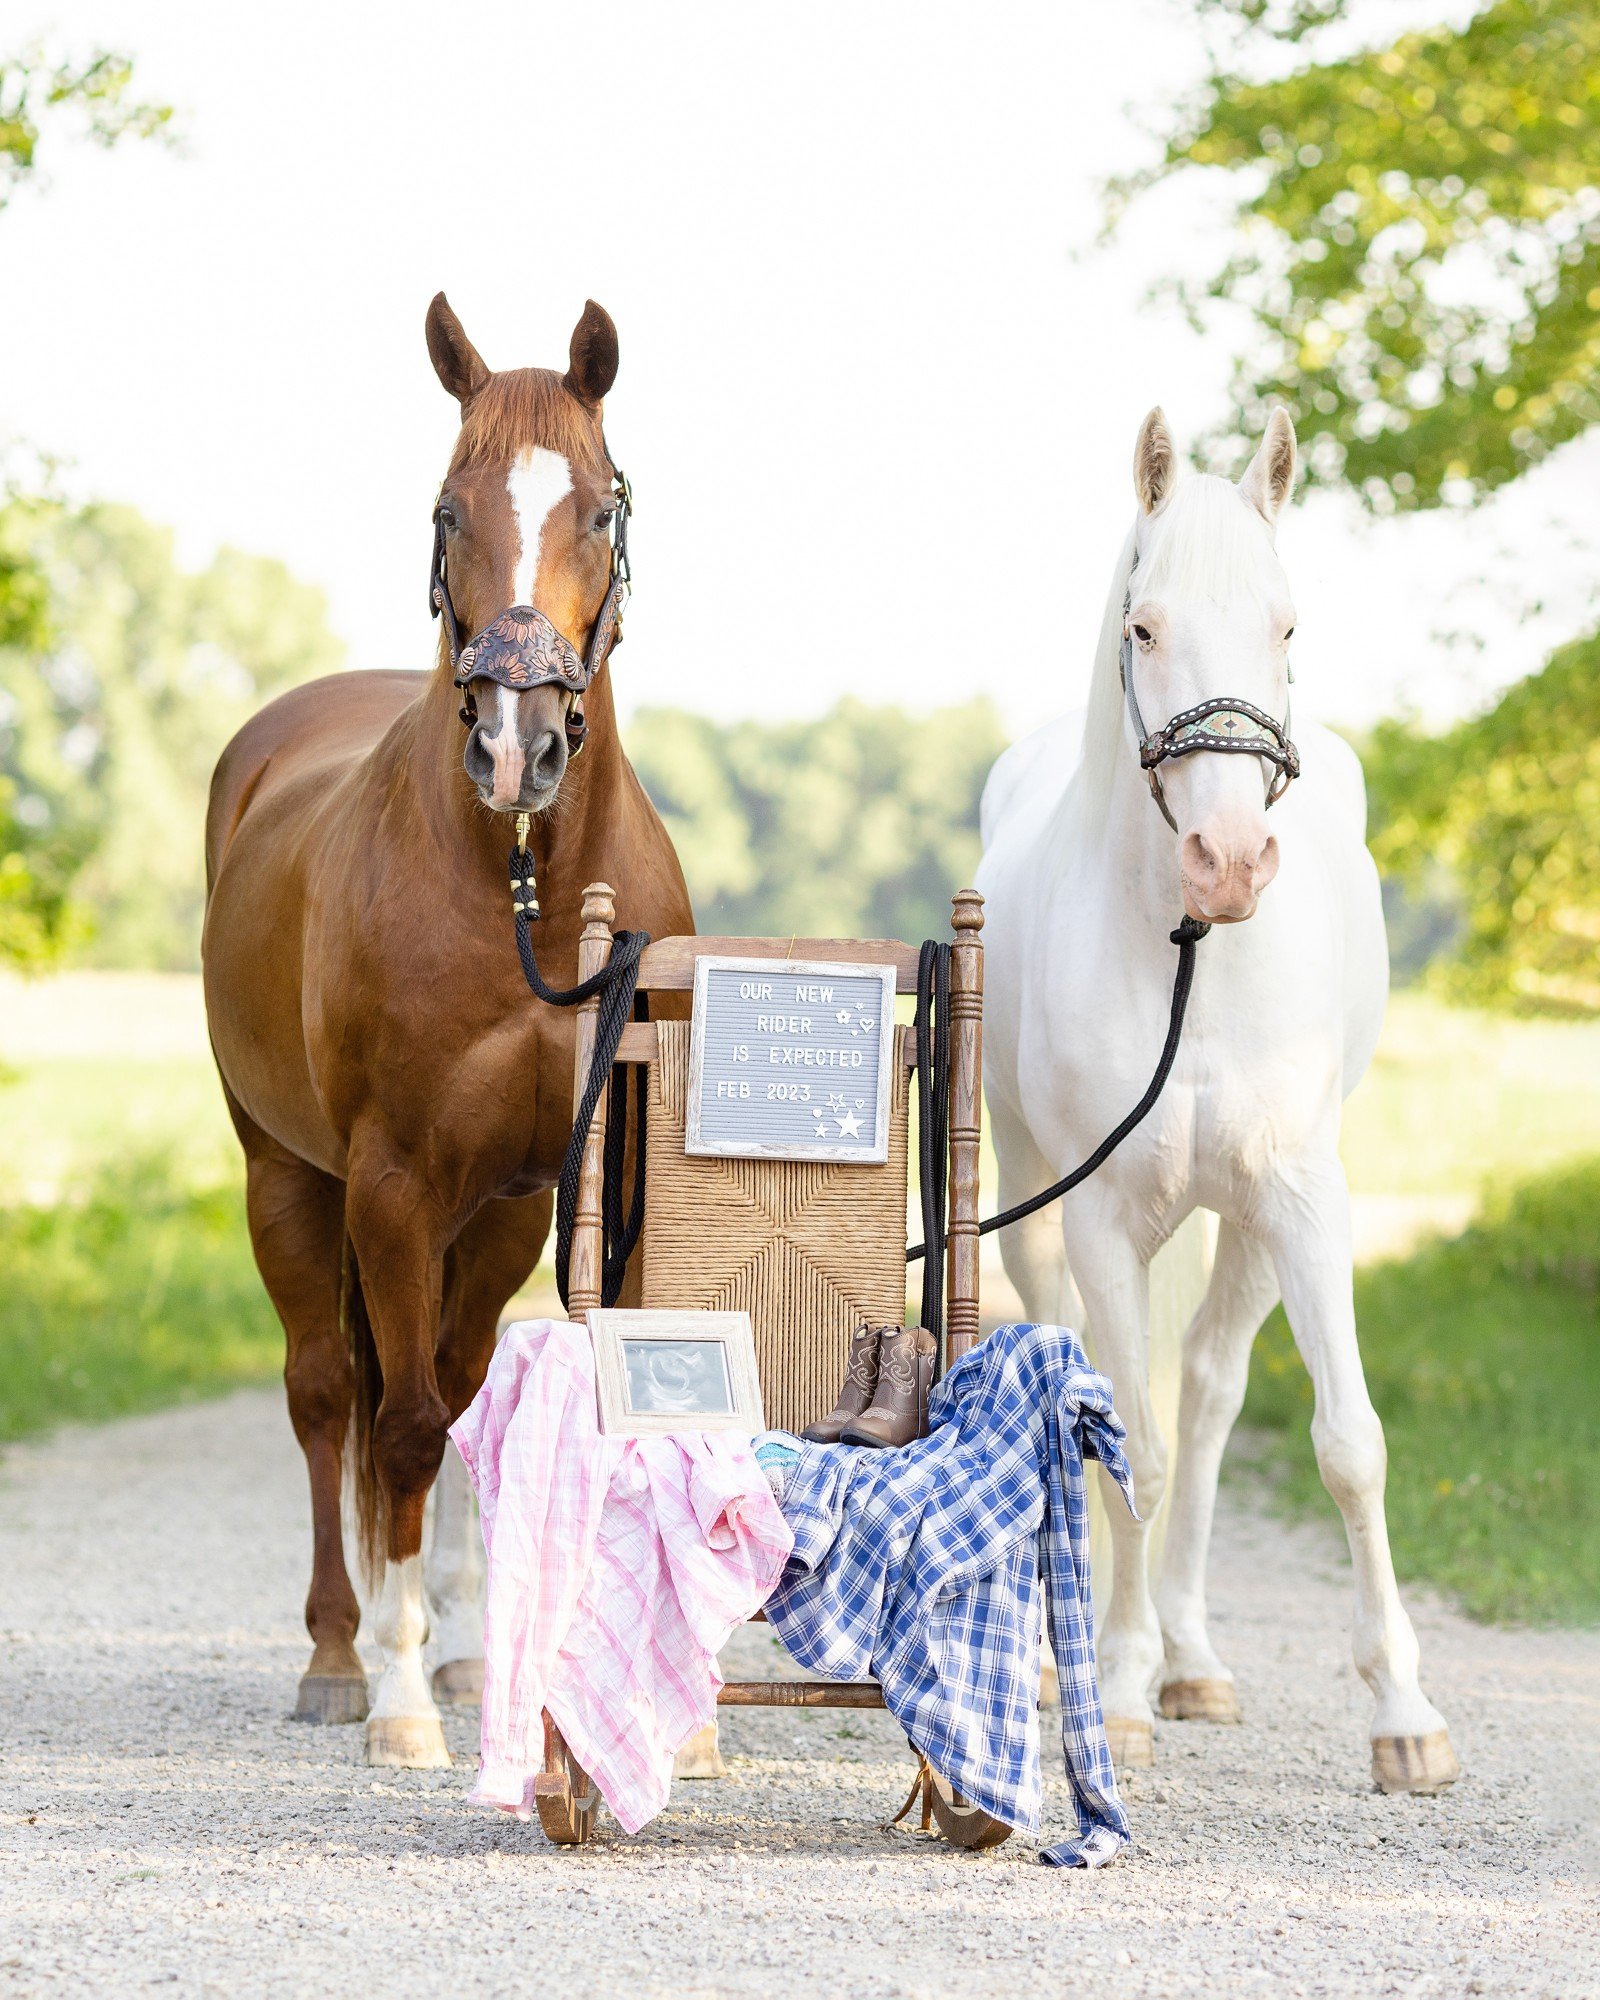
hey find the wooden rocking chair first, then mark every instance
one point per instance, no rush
(808, 1249)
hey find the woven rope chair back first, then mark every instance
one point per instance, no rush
(808, 1248)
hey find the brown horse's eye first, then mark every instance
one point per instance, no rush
(602, 521)
(447, 520)
(1141, 633)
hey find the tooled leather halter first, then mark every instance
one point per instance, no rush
(1238, 726)
(521, 648)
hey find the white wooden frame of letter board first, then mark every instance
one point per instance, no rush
(794, 1149)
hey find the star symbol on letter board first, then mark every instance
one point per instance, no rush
(850, 1126)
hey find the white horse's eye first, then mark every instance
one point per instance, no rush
(1142, 634)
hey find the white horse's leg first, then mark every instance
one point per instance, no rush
(1030, 1250)
(403, 1726)
(1115, 1283)
(454, 1572)
(1196, 1686)
(1306, 1221)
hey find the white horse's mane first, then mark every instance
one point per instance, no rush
(1205, 543)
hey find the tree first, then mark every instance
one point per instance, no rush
(1509, 802)
(858, 824)
(38, 860)
(108, 732)
(1419, 242)
(95, 95)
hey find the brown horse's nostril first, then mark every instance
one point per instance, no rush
(547, 757)
(477, 758)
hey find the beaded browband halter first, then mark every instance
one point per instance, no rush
(1225, 722)
(521, 648)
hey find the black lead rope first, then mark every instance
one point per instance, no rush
(617, 985)
(932, 1138)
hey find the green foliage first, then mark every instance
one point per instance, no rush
(140, 1292)
(1483, 1356)
(1509, 804)
(95, 95)
(859, 824)
(108, 734)
(39, 854)
(1419, 242)
(37, 861)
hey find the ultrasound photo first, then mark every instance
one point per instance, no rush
(671, 1378)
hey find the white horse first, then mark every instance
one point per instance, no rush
(1084, 880)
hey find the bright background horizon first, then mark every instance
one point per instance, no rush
(880, 439)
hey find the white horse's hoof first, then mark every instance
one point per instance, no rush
(1210, 1700)
(331, 1698)
(407, 1742)
(700, 1757)
(458, 1683)
(1422, 1764)
(1132, 1742)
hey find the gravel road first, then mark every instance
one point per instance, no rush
(162, 1824)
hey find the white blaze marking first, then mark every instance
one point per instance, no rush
(505, 750)
(539, 480)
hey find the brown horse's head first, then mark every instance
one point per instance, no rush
(526, 511)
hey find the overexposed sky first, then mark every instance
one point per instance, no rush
(879, 389)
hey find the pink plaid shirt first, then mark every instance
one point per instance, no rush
(617, 1568)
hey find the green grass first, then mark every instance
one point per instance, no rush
(1483, 1357)
(137, 1292)
(1455, 1098)
(66, 1120)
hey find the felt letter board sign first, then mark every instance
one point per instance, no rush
(789, 1060)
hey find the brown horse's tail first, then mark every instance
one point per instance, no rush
(360, 1466)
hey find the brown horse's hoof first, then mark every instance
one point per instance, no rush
(407, 1742)
(1421, 1764)
(1200, 1701)
(1133, 1743)
(701, 1756)
(331, 1698)
(458, 1683)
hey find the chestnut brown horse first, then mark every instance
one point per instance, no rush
(403, 1102)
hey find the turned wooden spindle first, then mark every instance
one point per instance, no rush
(966, 1119)
(588, 1240)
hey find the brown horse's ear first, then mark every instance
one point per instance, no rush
(593, 356)
(456, 362)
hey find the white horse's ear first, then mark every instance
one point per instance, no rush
(1269, 477)
(1155, 461)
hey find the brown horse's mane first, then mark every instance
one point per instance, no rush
(523, 407)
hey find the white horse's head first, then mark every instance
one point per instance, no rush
(1209, 614)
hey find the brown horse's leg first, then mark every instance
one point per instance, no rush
(488, 1262)
(399, 1239)
(297, 1230)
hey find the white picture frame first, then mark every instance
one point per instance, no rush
(872, 1147)
(661, 1372)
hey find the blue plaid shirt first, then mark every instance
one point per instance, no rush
(921, 1568)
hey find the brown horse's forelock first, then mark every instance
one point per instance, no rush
(524, 407)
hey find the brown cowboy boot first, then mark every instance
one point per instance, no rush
(860, 1385)
(899, 1411)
